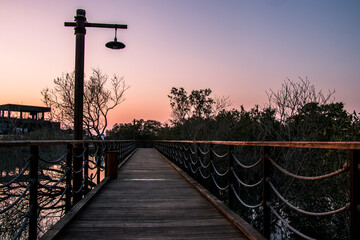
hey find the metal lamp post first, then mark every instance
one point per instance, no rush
(80, 25)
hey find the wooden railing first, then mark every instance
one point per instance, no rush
(280, 186)
(270, 184)
(50, 178)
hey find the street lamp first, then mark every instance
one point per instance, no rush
(115, 44)
(80, 25)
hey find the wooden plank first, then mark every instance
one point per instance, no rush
(240, 223)
(55, 230)
(155, 233)
(150, 200)
(63, 222)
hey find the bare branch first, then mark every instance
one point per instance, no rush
(98, 100)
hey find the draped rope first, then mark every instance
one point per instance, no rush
(242, 202)
(81, 154)
(203, 152)
(217, 172)
(17, 200)
(23, 226)
(217, 185)
(57, 183)
(288, 225)
(202, 175)
(246, 166)
(245, 184)
(26, 167)
(191, 168)
(305, 177)
(218, 155)
(307, 212)
(53, 161)
(54, 204)
(203, 165)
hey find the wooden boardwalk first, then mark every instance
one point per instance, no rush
(150, 200)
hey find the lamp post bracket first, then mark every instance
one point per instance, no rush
(98, 25)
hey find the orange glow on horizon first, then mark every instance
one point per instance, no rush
(239, 49)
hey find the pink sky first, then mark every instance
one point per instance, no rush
(239, 49)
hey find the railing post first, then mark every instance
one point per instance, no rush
(111, 169)
(355, 194)
(33, 202)
(231, 178)
(169, 151)
(198, 176)
(186, 158)
(80, 32)
(187, 153)
(98, 163)
(121, 151)
(172, 153)
(266, 193)
(68, 178)
(86, 170)
(213, 189)
(78, 173)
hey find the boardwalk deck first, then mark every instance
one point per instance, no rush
(150, 200)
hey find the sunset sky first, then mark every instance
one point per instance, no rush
(238, 48)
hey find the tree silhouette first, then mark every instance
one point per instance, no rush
(98, 100)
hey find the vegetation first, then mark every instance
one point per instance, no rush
(139, 130)
(98, 101)
(296, 112)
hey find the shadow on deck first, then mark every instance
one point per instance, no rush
(150, 200)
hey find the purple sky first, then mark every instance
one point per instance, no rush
(237, 48)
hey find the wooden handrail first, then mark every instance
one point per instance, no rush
(321, 145)
(23, 143)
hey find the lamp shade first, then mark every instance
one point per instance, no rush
(115, 45)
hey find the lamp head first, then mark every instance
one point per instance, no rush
(115, 44)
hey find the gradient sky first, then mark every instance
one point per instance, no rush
(238, 48)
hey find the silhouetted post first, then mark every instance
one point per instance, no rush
(212, 187)
(80, 32)
(80, 24)
(78, 173)
(68, 177)
(33, 202)
(134, 130)
(98, 163)
(121, 151)
(231, 177)
(355, 194)
(198, 158)
(111, 169)
(86, 170)
(266, 193)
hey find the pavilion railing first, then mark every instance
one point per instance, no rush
(49, 178)
(305, 190)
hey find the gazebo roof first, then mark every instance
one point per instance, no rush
(24, 108)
